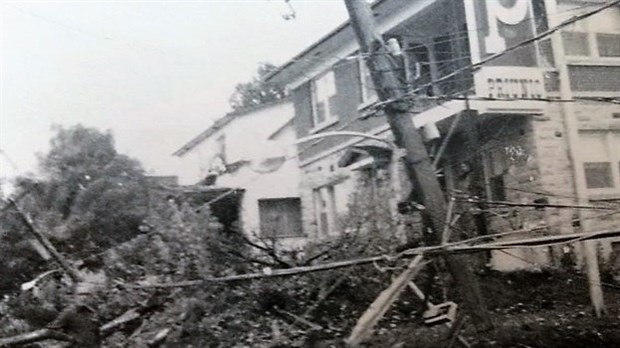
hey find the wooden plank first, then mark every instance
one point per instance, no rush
(376, 311)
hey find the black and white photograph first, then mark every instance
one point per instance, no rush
(310, 173)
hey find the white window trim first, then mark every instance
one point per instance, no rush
(330, 118)
(322, 126)
(591, 61)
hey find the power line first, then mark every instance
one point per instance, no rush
(529, 230)
(550, 194)
(474, 200)
(475, 66)
(459, 96)
(81, 31)
(611, 286)
(545, 241)
(454, 36)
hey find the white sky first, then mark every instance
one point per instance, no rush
(154, 72)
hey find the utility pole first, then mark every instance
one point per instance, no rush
(572, 131)
(418, 164)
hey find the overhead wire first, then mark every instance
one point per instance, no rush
(551, 194)
(536, 264)
(473, 66)
(477, 65)
(454, 36)
(428, 250)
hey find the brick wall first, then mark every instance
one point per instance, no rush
(314, 175)
(326, 171)
(556, 174)
(538, 165)
(597, 116)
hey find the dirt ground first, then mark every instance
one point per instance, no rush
(535, 310)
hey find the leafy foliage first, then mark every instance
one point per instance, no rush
(90, 197)
(181, 241)
(257, 91)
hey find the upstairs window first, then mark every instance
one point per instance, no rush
(608, 45)
(576, 43)
(323, 97)
(597, 37)
(419, 68)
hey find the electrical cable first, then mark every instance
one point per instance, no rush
(477, 65)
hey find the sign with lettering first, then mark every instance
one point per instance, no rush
(495, 25)
(510, 83)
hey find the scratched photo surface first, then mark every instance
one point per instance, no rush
(310, 173)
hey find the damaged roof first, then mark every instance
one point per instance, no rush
(221, 123)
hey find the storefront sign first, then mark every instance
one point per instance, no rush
(510, 83)
(495, 25)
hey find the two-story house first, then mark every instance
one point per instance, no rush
(512, 105)
(250, 153)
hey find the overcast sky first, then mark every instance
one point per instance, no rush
(156, 73)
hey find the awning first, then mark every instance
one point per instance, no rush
(363, 156)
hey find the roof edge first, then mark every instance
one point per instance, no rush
(281, 128)
(324, 38)
(223, 121)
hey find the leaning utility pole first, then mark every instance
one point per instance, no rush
(418, 164)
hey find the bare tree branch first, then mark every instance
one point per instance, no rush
(35, 336)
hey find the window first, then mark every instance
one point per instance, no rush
(576, 43)
(608, 45)
(323, 97)
(280, 217)
(601, 162)
(598, 175)
(495, 167)
(595, 37)
(419, 67)
(368, 92)
(325, 209)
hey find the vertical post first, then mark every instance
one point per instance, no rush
(572, 130)
(420, 170)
